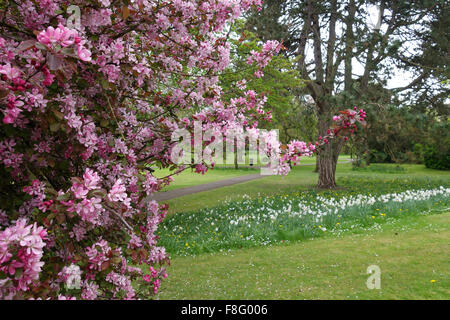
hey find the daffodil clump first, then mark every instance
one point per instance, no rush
(291, 217)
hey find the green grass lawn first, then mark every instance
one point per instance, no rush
(298, 180)
(300, 261)
(304, 160)
(411, 252)
(189, 178)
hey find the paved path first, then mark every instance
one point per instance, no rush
(167, 195)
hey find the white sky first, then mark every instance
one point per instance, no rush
(400, 78)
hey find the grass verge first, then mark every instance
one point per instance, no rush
(302, 179)
(260, 221)
(411, 252)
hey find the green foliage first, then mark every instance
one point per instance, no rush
(393, 132)
(436, 153)
(378, 156)
(281, 84)
(398, 134)
(418, 152)
(435, 158)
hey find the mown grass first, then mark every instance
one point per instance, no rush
(189, 178)
(252, 222)
(410, 248)
(410, 251)
(383, 168)
(300, 179)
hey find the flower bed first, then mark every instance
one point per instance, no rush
(263, 221)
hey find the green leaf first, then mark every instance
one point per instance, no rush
(55, 126)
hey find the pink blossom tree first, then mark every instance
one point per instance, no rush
(87, 108)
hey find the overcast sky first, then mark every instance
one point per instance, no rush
(400, 78)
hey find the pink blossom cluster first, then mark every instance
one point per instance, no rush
(71, 276)
(154, 278)
(263, 57)
(82, 138)
(57, 42)
(118, 193)
(297, 149)
(62, 37)
(90, 290)
(98, 254)
(122, 286)
(345, 125)
(8, 156)
(21, 251)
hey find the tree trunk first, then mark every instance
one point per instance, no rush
(236, 166)
(327, 169)
(327, 165)
(328, 157)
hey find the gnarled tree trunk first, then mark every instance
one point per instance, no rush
(327, 166)
(328, 157)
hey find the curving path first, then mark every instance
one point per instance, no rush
(172, 194)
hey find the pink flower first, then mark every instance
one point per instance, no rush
(150, 184)
(118, 194)
(8, 119)
(84, 54)
(97, 254)
(61, 297)
(10, 72)
(89, 290)
(135, 242)
(156, 285)
(61, 35)
(153, 272)
(49, 36)
(64, 37)
(89, 209)
(21, 246)
(201, 168)
(79, 190)
(91, 179)
(146, 277)
(68, 36)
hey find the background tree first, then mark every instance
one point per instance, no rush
(280, 84)
(331, 38)
(292, 114)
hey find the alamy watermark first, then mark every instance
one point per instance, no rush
(374, 280)
(74, 20)
(207, 146)
(72, 276)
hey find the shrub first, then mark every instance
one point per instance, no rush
(436, 158)
(418, 152)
